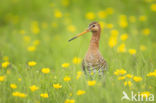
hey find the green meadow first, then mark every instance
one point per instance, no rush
(39, 65)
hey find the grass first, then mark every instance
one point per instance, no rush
(23, 22)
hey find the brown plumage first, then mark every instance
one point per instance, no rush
(93, 61)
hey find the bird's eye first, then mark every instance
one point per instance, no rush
(93, 25)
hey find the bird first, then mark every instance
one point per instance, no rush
(93, 61)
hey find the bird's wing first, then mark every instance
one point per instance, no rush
(83, 66)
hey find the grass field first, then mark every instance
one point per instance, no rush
(39, 65)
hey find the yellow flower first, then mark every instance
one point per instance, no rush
(142, 18)
(112, 42)
(35, 28)
(145, 94)
(114, 33)
(57, 86)
(71, 28)
(152, 74)
(121, 48)
(148, 1)
(120, 72)
(5, 64)
(45, 70)
(13, 86)
(76, 60)
(137, 79)
(31, 48)
(57, 14)
(44, 95)
(102, 24)
(67, 78)
(129, 76)
(142, 47)
(90, 15)
(153, 7)
(18, 94)
(80, 92)
(102, 14)
(121, 78)
(109, 26)
(124, 37)
(79, 73)
(19, 79)
(33, 88)
(36, 42)
(146, 31)
(132, 51)
(65, 65)
(132, 19)
(109, 11)
(69, 101)
(32, 63)
(2, 78)
(91, 83)
(123, 21)
(129, 83)
(22, 32)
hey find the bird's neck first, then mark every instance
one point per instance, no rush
(94, 42)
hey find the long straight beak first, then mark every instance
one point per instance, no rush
(78, 35)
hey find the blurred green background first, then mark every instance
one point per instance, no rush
(37, 30)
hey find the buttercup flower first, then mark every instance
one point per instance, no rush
(57, 86)
(57, 14)
(2, 78)
(79, 73)
(65, 65)
(19, 94)
(45, 70)
(146, 31)
(90, 15)
(67, 78)
(71, 28)
(145, 94)
(142, 48)
(5, 64)
(142, 18)
(137, 79)
(80, 92)
(32, 63)
(129, 83)
(132, 51)
(33, 88)
(102, 14)
(120, 72)
(13, 86)
(69, 101)
(91, 83)
(121, 48)
(153, 7)
(124, 37)
(31, 48)
(44, 95)
(76, 60)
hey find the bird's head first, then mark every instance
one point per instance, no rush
(93, 27)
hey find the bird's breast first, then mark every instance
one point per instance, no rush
(93, 58)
